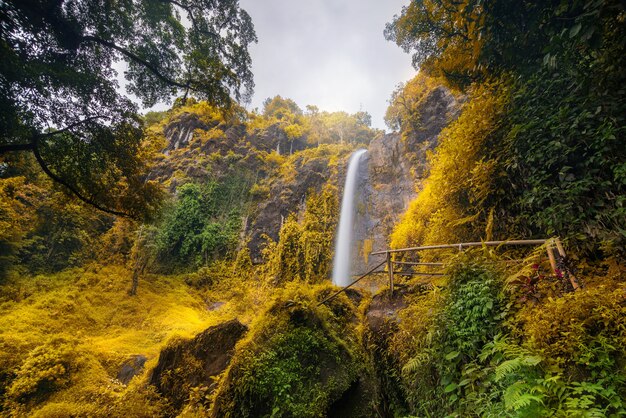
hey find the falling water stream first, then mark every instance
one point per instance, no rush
(343, 243)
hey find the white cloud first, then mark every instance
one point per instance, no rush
(330, 53)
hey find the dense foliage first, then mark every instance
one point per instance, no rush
(304, 249)
(538, 149)
(298, 359)
(59, 89)
(252, 201)
(203, 225)
(479, 350)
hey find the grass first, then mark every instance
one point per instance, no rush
(90, 309)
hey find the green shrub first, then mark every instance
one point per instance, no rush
(459, 325)
(203, 225)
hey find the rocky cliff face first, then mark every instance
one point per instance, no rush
(438, 109)
(201, 150)
(286, 196)
(386, 194)
(396, 166)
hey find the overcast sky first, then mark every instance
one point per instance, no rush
(328, 53)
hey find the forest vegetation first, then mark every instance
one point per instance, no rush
(177, 263)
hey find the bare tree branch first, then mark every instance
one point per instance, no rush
(137, 59)
(29, 146)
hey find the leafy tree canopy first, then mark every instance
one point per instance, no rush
(279, 107)
(59, 92)
(468, 40)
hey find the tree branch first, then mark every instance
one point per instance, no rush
(73, 125)
(16, 147)
(29, 146)
(135, 58)
(194, 23)
(191, 17)
(71, 188)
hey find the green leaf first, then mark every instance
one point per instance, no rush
(452, 355)
(574, 30)
(450, 387)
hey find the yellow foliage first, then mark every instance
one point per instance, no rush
(581, 327)
(459, 179)
(416, 325)
(304, 249)
(16, 213)
(406, 101)
(65, 336)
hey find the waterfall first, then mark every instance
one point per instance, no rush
(343, 244)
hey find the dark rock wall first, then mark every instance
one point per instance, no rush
(396, 166)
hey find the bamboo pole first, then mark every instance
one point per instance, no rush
(461, 245)
(406, 263)
(551, 256)
(350, 285)
(417, 273)
(390, 269)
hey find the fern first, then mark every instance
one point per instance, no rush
(519, 396)
(513, 365)
(414, 364)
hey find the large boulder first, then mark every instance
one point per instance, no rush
(131, 368)
(300, 360)
(187, 364)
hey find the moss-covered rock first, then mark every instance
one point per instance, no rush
(186, 365)
(299, 360)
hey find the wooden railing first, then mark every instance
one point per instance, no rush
(554, 249)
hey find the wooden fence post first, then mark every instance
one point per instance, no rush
(390, 271)
(549, 245)
(573, 280)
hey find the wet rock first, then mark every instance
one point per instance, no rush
(382, 315)
(354, 295)
(215, 306)
(131, 368)
(382, 321)
(286, 196)
(188, 364)
(356, 402)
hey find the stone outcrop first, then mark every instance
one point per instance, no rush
(397, 165)
(286, 196)
(189, 364)
(180, 132)
(131, 368)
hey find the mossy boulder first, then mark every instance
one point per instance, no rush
(186, 365)
(299, 360)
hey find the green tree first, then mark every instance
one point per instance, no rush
(466, 41)
(58, 86)
(203, 225)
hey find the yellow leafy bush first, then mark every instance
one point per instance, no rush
(581, 330)
(47, 368)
